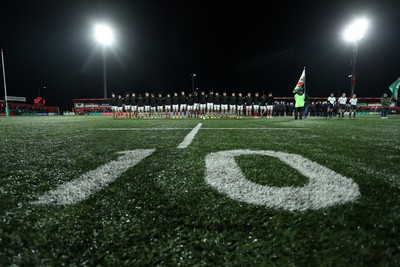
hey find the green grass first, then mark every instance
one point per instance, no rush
(162, 212)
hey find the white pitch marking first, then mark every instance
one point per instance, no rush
(232, 128)
(93, 181)
(138, 129)
(177, 129)
(325, 187)
(189, 138)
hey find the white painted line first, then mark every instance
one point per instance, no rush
(325, 187)
(249, 128)
(189, 138)
(93, 181)
(138, 129)
(177, 129)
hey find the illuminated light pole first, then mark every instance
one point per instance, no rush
(193, 75)
(5, 85)
(105, 37)
(354, 33)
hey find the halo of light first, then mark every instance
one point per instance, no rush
(104, 34)
(356, 30)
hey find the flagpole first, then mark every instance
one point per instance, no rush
(4, 80)
(305, 80)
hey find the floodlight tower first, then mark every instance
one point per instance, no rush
(193, 75)
(105, 37)
(354, 33)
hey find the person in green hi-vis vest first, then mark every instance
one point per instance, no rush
(299, 98)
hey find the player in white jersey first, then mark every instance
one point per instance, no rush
(353, 106)
(331, 104)
(342, 104)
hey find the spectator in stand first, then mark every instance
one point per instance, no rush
(324, 109)
(306, 105)
(283, 108)
(312, 109)
(385, 105)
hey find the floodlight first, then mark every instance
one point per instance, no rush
(104, 34)
(356, 31)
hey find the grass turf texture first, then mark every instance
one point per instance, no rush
(161, 212)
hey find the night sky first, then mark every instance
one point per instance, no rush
(246, 46)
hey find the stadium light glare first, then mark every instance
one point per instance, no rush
(355, 31)
(104, 34)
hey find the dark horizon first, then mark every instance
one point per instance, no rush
(231, 47)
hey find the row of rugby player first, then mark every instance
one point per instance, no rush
(192, 105)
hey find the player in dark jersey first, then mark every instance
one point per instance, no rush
(210, 104)
(263, 105)
(153, 106)
(147, 105)
(120, 102)
(113, 104)
(189, 108)
(203, 104)
(133, 105)
(217, 104)
(224, 105)
(160, 104)
(256, 104)
(168, 103)
(127, 105)
(270, 105)
(175, 105)
(196, 104)
(240, 105)
(182, 105)
(140, 104)
(232, 105)
(249, 104)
